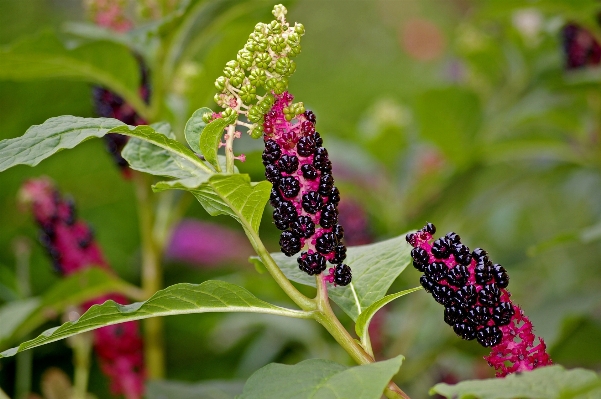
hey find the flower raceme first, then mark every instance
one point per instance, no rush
(70, 243)
(477, 304)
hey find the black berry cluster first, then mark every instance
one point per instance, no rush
(579, 47)
(303, 195)
(467, 283)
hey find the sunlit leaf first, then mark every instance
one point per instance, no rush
(195, 127)
(203, 390)
(209, 141)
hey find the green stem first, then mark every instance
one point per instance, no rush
(229, 149)
(152, 279)
(22, 248)
(3, 394)
(82, 348)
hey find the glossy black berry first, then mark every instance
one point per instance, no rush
(306, 146)
(288, 163)
(318, 140)
(483, 272)
(339, 232)
(441, 248)
(321, 160)
(284, 215)
(427, 283)
(307, 128)
(462, 254)
(436, 271)
(290, 243)
(429, 228)
(410, 238)
(312, 202)
(271, 153)
(309, 172)
(289, 186)
(465, 330)
(339, 254)
(457, 276)
(334, 196)
(342, 275)
(420, 258)
(272, 173)
(479, 253)
(453, 237)
(326, 183)
(443, 294)
(303, 227)
(311, 263)
(489, 336)
(329, 216)
(500, 276)
(467, 296)
(310, 116)
(453, 314)
(326, 243)
(503, 313)
(280, 223)
(479, 315)
(489, 295)
(71, 214)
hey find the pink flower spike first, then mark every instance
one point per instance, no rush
(241, 158)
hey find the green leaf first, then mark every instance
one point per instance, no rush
(204, 390)
(150, 158)
(365, 317)
(210, 296)
(72, 290)
(210, 139)
(321, 379)
(41, 141)
(236, 196)
(375, 267)
(551, 382)
(43, 56)
(195, 127)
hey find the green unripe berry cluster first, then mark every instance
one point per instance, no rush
(262, 66)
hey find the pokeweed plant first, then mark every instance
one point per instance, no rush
(300, 186)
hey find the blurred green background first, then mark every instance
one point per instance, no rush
(457, 112)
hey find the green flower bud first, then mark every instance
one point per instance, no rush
(255, 114)
(275, 27)
(232, 64)
(288, 113)
(257, 77)
(260, 27)
(256, 132)
(259, 41)
(228, 72)
(285, 67)
(300, 108)
(294, 51)
(279, 11)
(293, 39)
(237, 78)
(269, 99)
(245, 59)
(250, 46)
(220, 83)
(266, 103)
(262, 60)
(299, 28)
(277, 44)
(270, 83)
(248, 93)
(217, 99)
(207, 117)
(229, 115)
(281, 86)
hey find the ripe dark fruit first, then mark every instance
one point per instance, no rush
(342, 275)
(453, 237)
(321, 160)
(429, 228)
(427, 283)
(442, 294)
(453, 314)
(339, 232)
(318, 140)
(306, 146)
(458, 276)
(479, 315)
(483, 272)
(335, 196)
(436, 271)
(303, 227)
(489, 295)
(339, 254)
(502, 314)
(311, 263)
(441, 249)
(309, 172)
(489, 336)
(290, 243)
(500, 276)
(310, 116)
(467, 295)
(312, 202)
(326, 243)
(420, 258)
(272, 174)
(271, 153)
(465, 331)
(289, 186)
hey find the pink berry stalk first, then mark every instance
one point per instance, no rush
(477, 303)
(70, 243)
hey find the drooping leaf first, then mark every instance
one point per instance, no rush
(210, 296)
(209, 141)
(365, 317)
(321, 379)
(75, 289)
(551, 382)
(41, 141)
(102, 62)
(374, 266)
(216, 389)
(194, 128)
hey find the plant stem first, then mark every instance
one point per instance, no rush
(229, 149)
(82, 348)
(152, 279)
(22, 248)
(3, 394)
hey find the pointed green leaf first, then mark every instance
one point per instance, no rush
(195, 127)
(321, 379)
(210, 296)
(375, 267)
(365, 317)
(551, 382)
(75, 289)
(43, 56)
(204, 390)
(210, 139)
